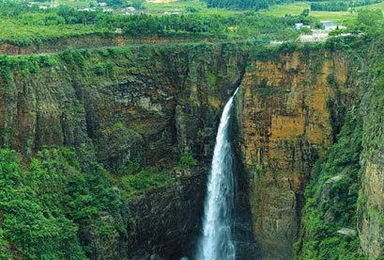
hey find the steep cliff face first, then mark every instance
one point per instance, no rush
(165, 221)
(152, 105)
(371, 209)
(285, 115)
(371, 197)
(157, 94)
(146, 105)
(96, 40)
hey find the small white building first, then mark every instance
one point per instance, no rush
(102, 4)
(298, 26)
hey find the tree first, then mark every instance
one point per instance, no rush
(305, 13)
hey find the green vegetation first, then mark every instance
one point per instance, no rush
(187, 161)
(22, 25)
(245, 4)
(31, 26)
(296, 8)
(60, 205)
(332, 198)
(145, 179)
(341, 5)
(59, 208)
(335, 198)
(27, 34)
(330, 6)
(370, 209)
(180, 6)
(53, 209)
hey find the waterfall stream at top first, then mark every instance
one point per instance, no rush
(216, 241)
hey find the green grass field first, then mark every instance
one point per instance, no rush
(182, 5)
(278, 11)
(174, 6)
(374, 6)
(298, 8)
(25, 34)
(77, 3)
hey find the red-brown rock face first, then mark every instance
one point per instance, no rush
(285, 124)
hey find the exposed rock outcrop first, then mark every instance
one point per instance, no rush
(371, 206)
(285, 126)
(151, 104)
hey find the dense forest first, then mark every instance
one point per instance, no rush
(245, 4)
(337, 6)
(316, 5)
(44, 210)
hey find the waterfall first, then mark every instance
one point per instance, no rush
(216, 241)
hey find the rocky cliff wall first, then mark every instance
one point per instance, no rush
(149, 104)
(156, 103)
(285, 110)
(371, 195)
(96, 40)
(168, 99)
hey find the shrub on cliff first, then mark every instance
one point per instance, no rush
(332, 198)
(187, 161)
(57, 209)
(31, 230)
(145, 179)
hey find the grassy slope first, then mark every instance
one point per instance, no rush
(374, 6)
(15, 32)
(278, 11)
(298, 7)
(181, 6)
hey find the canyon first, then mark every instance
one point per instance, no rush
(156, 103)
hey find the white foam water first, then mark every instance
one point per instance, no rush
(216, 241)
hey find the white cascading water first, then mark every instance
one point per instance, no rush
(216, 241)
